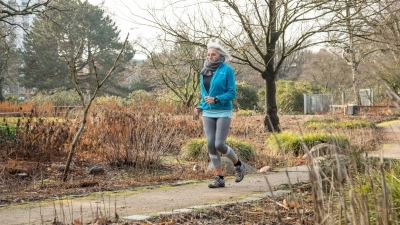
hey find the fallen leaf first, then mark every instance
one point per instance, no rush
(293, 204)
(77, 222)
(285, 203)
(255, 213)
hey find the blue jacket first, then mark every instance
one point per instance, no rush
(222, 86)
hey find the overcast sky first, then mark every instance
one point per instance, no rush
(122, 10)
(119, 10)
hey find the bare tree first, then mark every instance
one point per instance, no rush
(251, 30)
(10, 9)
(177, 64)
(385, 31)
(355, 34)
(327, 70)
(86, 102)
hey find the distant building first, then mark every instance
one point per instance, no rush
(20, 26)
(21, 23)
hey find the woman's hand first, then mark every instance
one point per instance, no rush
(197, 110)
(209, 100)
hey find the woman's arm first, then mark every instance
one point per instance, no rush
(230, 94)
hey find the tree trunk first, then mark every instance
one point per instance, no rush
(356, 84)
(1, 89)
(353, 60)
(75, 142)
(271, 119)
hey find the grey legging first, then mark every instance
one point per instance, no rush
(216, 130)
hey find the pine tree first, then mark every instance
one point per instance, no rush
(58, 34)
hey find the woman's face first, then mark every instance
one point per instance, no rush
(212, 54)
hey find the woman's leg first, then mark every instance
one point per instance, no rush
(216, 130)
(222, 130)
(223, 125)
(210, 127)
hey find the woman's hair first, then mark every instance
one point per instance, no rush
(221, 50)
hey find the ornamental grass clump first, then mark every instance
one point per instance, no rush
(243, 112)
(371, 184)
(196, 150)
(286, 141)
(317, 123)
(368, 188)
(243, 149)
(350, 123)
(355, 123)
(312, 139)
(291, 143)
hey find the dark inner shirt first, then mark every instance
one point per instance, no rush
(206, 82)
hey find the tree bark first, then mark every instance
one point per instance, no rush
(1, 89)
(74, 144)
(353, 61)
(356, 84)
(271, 119)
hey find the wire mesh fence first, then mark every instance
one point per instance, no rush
(317, 103)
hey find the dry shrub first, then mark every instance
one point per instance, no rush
(36, 140)
(138, 139)
(119, 134)
(136, 135)
(6, 106)
(27, 108)
(36, 136)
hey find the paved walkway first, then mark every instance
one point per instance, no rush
(148, 200)
(390, 146)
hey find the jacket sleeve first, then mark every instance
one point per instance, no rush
(230, 92)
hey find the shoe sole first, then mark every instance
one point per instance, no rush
(237, 181)
(216, 187)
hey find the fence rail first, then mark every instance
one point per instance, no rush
(364, 109)
(57, 110)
